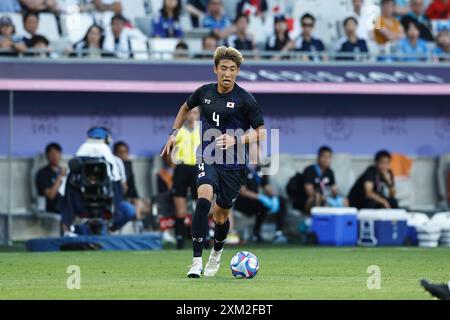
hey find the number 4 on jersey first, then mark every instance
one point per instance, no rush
(216, 118)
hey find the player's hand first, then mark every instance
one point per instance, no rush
(265, 200)
(386, 204)
(169, 146)
(63, 171)
(225, 141)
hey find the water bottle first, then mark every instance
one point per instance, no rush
(357, 53)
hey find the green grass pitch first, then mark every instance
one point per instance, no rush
(285, 273)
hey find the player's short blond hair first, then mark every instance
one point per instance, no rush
(228, 53)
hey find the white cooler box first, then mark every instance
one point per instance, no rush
(382, 227)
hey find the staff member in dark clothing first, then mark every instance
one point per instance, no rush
(49, 178)
(252, 201)
(320, 183)
(375, 188)
(143, 206)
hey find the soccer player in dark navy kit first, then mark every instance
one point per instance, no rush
(228, 112)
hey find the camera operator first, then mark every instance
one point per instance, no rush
(97, 146)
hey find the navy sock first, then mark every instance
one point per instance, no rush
(200, 225)
(179, 227)
(220, 234)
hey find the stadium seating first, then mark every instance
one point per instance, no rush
(156, 5)
(134, 9)
(76, 25)
(48, 26)
(163, 48)
(144, 24)
(186, 23)
(140, 49)
(194, 44)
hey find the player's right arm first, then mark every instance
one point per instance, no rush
(179, 120)
(193, 101)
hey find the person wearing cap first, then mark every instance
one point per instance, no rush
(10, 44)
(279, 40)
(97, 145)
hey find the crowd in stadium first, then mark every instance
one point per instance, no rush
(408, 31)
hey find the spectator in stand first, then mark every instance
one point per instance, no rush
(91, 45)
(257, 198)
(117, 40)
(40, 45)
(375, 188)
(320, 184)
(401, 8)
(31, 26)
(217, 21)
(351, 43)
(438, 9)
(209, 43)
(143, 206)
(240, 39)
(108, 5)
(49, 178)
(10, 6)
(252, 7)
(306, 42)
(197, 10)
(280, 40)
(8, 39)
(416, 14)
(362, 14)
(442, 51)
(414, 48)
(167, 23)
(181, 51)
(41, 6)
(388, 28)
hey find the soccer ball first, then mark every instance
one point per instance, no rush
(244, 265)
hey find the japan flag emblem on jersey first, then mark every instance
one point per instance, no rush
(230, 105)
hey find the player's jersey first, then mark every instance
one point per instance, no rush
(234, 110)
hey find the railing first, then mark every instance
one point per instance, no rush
(180, 55)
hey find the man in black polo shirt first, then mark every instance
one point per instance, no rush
(257, 198)
(306, 42)
(375, 187)
(49, 178)
(320, 184)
